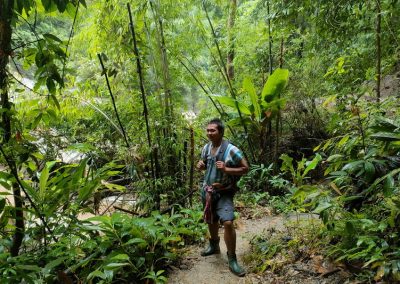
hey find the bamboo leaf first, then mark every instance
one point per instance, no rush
(343, 141)
(335, 188)
(52, 37)
(31, 191)
(334, 157)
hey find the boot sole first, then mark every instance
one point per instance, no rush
(217, 252)
(237, 274)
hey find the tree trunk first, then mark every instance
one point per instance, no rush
(6, 14)
(231, 41)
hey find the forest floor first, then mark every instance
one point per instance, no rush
(310, 269)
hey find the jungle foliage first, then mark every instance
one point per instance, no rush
(308, 89)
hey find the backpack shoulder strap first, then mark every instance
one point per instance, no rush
(222, 149)
(207, 150)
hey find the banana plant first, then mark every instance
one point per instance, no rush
(259, 108)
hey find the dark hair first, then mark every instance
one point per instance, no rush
(219, 123)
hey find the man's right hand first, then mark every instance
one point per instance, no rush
(201, 165)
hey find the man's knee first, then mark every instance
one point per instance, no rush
(228, 224)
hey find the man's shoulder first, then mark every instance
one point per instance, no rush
(233, 148)
(233, 153)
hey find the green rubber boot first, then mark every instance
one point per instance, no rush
(212, 248)
(234, 266)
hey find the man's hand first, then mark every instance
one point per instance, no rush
(235, 171)
(220, 165)
(201, 165)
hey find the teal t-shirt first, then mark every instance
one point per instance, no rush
(232, 157)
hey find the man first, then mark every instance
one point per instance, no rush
(219, 188)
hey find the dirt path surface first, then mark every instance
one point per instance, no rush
(195, 269)
(214, 269)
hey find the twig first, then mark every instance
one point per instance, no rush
(112, 203)
(69, 40)
(127, 211)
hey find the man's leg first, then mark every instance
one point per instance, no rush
(213, 229)
(230, 241)
(213, 247)
(230, 237)
(226, 212)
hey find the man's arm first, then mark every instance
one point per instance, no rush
(237, 171)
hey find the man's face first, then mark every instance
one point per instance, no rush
(212, 133)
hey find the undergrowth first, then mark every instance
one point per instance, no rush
(107, 249)
(273, 250)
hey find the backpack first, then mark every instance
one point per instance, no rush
(220, 157)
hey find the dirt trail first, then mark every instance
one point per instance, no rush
(214, 269)
(195, 269)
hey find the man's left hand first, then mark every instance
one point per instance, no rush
(220, 165)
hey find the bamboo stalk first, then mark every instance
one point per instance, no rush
(141, 83)
(191, 175)
(378, 50)
(231, 44)
(220, 111)
(269, 131)
(164, 61)
(278, 118)
(269, 39)
(104, 71)
(231, 90)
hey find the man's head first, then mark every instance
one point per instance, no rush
(215, 130)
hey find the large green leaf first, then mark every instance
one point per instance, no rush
(353, 166)
(369, 169)
(385, 125)
(248, 86)
(275, 84)
(44, 176)
(386, 136)
(322, 207)
(227, 101)
(274, 105)
(312, 165)
(235, 122)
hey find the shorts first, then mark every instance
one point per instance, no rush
(222, 206)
